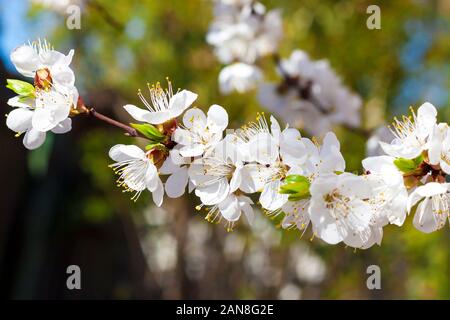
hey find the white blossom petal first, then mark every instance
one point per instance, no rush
(33, 139)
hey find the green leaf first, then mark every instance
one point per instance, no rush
(22, 88)
(295, 178)
(149, 131)
(408, 165)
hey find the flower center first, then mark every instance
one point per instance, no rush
(338, 204)
(43, 79)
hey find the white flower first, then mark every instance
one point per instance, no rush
(239, 77)
(266, 145)
(340, 210)
(391, 196)
(439, 151)
(200, 132)
(320, 160)
(49, 110)
(177, 167)
(39, 55)
(433, 211)
(296, 214)
(411, 134)
(136, 171)
(231, 209)
(324, 159)
(277, 154)
(163, 105)
(217, 175)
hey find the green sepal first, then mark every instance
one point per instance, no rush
(22, 88)
(155, 146)
(294, 178)
(296, 186)
(294, 197)
(149, 131)
(408, 165)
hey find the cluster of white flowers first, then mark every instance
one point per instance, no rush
(296, 177)
(421, 149)
(46, 105)
(310, 96)
(242, 32)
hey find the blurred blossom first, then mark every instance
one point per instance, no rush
(309, 267)
(311, 95)
(195, 250)
(156, 216)
(373, 147)
(160, 249)
(264, 230)
(234, 247)
(239, 77)
(290, 292)
(257, 260)
(244, 31)
(271, 276)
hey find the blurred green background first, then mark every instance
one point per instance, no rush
(59, 204)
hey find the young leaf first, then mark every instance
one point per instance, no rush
(295, 178)
(22, 88)
(296, 186)
(408, 165)
(149, 131)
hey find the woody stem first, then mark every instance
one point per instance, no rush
(97, 115)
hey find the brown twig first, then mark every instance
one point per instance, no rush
(83, 109)
(129, 130)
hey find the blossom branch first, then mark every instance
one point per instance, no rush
(129, 130)
(301, 178)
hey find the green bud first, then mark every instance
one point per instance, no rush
(149, 131)
(296, 186)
